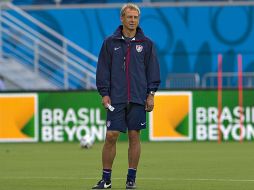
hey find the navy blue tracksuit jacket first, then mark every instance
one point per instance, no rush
(127, 71)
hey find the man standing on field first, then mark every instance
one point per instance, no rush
(127, 78)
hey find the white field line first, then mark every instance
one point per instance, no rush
(150, 179)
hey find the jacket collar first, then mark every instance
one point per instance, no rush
(139, 34)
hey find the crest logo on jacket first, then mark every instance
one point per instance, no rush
(139, 48)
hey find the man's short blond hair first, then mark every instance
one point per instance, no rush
(130, 6)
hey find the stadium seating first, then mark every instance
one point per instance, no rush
(187, 49)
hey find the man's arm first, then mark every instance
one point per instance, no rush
(149, 103)
(153, 77)
(103, 74)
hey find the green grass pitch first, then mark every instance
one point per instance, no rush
(163, 166)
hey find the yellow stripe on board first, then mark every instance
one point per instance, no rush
(15, 112)
(169, 112)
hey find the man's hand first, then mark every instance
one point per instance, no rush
(149, 103)
(106, 100)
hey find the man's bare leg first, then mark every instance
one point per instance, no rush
(134, 148)
(133, 156)
(109, 149)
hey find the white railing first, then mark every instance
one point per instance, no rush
(65, 64)
(209, 80)
(183, 80)
(229, 80)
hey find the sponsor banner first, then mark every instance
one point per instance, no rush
(185, 116)
(171, 119)
(18, 118)
(177, 116)
(206, 119)
(69, 116)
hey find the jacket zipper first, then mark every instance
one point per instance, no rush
(127, 72)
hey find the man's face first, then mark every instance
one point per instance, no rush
(130, 19)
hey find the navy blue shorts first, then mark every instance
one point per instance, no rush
(126, 116)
